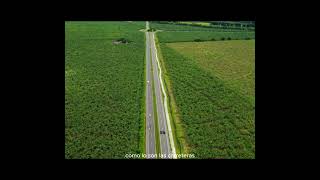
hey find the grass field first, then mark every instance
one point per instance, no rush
(213, 87)
(104, 89)
(203, 36)
(196, 23)
(231, 61)
(188, 27)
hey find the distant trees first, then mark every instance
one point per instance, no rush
(234, 24)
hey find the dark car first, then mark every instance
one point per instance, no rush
(162, 132)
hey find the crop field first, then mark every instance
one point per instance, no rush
(173, 27)
(104, 89)
(166, 37)
(231, 61)
(197, 23)
(213, 88)
(208, 69)
(185, 27)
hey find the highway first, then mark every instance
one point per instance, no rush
(150, 127)
(164, 138)
(154, 78)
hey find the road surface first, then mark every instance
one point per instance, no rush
(164, 138)
(155, 83)
(150, 128)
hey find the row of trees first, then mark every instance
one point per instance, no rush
(233, 23)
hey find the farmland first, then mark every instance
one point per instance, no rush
(212, 86)
(117, 102)
(231, 61)
(177, 36)
(104, 89)
(187, 26)
(172, 27)
(186, 33)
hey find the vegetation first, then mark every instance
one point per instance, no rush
(151, 29)
(176, 126)
(197, 40)
(104, 89)
(195, 23)
(209, 74)
(123, 40)
(231, 61)
(203, 26)
(217, 116)
(166, 37)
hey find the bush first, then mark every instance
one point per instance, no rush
(213, 39)
(222, 38)
(123, 40)
(247, 38)
(229, 38)
(151, 30)
(197, 40)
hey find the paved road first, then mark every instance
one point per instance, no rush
(164, 138)
(147, 25)
(150, 128)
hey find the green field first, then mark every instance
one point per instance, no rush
(231, 61)
(212, 84)
(203, 36)
(173, 27)
(190, 26)
(187, 33)
(195, 23)
(104, 89)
